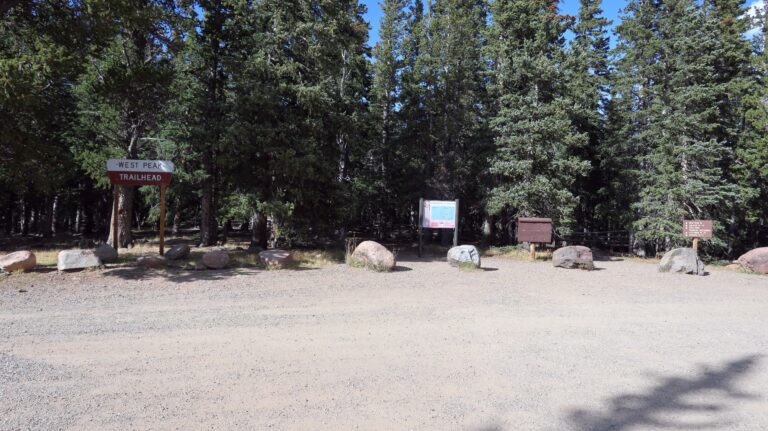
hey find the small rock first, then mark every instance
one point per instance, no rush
(733, 267)
(77, 259)
(200, 266)
(275, 257)
(755, 260)
(372, 255)
(19, 260)
(106, 253)
(682, 260)
(572, 257)
(464, 254)
(216, 259)
(177, 252)
(152, 261)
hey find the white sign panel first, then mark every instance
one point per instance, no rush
(127, 165)
(439, 214)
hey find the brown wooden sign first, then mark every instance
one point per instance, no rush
(534, 229)
(126, 172)
(697, 228)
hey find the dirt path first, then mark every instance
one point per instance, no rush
(521, 346)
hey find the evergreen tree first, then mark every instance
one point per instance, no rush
(535, 138)
(587, 77)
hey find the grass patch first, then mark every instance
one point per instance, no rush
(468, 267)
(517, 252)
(358, 263)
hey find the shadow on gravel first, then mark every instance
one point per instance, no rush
(670, 397)
(184, 276)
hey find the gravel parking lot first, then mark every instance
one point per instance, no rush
(518, 346)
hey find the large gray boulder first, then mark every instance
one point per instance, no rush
(682, 260)
(178, 252)
(573, 257)
(216, 259)
(464, 255)
(106, 253)
(755, 260)
(18, 261)
(77, 259)
(275, 258)
(372, 255)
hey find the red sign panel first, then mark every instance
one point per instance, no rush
(697, 228)
(127, 172)
(534, 229)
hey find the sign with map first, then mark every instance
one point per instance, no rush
(439, 214)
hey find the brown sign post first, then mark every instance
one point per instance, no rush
(125, 172)
(534, 230)
(697, 229)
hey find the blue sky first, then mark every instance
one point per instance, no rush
(611, 10)
(610, 7)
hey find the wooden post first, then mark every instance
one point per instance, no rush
(696, 245)
(162, 219)
(533, 252)
(456, 227)
(420, 222)
(115, 210)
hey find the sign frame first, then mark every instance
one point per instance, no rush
(131, 172)
(446, 225)
(534, 235)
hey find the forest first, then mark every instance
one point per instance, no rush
(284, 122)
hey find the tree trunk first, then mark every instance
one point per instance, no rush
(177, 215)
(124, 219)
(207, 232)
(46, 217)
(259, 232)
(488, 225)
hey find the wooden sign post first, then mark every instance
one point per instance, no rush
(123, 172)
(534, 230)
(438, 215)
(697, 229)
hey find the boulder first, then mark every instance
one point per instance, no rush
(371, 254)
(464, 254)
(19, 260)
(572, 257)
(755, 260)
(151, 261)
(77, 259)
(216, 259)
(275, 257)
(106, 253)
(177, 252)
(682, 260)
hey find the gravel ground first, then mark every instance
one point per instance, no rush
(519, 346)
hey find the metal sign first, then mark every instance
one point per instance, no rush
(534, 230)
(439, 215)
(697, 228)
(125, 172)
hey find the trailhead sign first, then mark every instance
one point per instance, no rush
(127, 172)
(697, 228)
(439, 215)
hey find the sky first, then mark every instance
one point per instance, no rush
(611, 10)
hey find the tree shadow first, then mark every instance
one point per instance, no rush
(671, 396)
(180, 275)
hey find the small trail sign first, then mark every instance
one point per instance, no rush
(127, 172)
(697, 229)
(438, 215)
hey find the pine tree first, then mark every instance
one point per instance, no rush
(674, 121)
(587, 68)
(535, 138)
